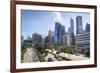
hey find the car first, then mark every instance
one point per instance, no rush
(50, 60)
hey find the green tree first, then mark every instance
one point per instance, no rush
(68, 49)
(55, 46)
(40, 48)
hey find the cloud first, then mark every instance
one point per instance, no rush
(57, 16)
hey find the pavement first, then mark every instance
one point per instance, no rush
(30, 56)
(71, 56)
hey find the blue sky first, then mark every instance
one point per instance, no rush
(33, 21)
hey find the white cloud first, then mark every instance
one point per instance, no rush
(57, 16)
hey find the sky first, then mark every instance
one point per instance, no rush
(35, 21)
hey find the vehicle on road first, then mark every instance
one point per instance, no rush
(50, 60)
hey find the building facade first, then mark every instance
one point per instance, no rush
(83, 40)
(79, 25)
(36, 38)
(50, 37)
(72, 25)
(59, 32)
(71, 32)
(87, 27)
(66, 39)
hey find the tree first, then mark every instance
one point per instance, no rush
(40, 48)
(68, 49)
(55, 46)
(24, 46)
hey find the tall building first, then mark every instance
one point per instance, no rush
(87, 27)
(63, 29)
(36, 38)
(72, 25)
(71, 32)
(59, 31)
(46, 42)
(69, 39)
(50, 37)
(79, 25)
(66, 39)
(43, 41)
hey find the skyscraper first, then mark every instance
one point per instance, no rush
(46, 42)
(79, 25)
(59, 31)
(64, 40)
(72, 25)
(50, 37)
(71, 32)
(87, 27)
(71, 28)
(63, 29)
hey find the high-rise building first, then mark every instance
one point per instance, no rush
(36, 38)
(87, 27)
(79, 25)
(43, 41)
(59, 31)
(69, 39)
(71, 32)
(71, 28)
(50, 37)
(63, 29)
(46, 42)
(66, 39)
(72, 25)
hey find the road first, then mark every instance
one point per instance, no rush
(30, 56)
(70, 56)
